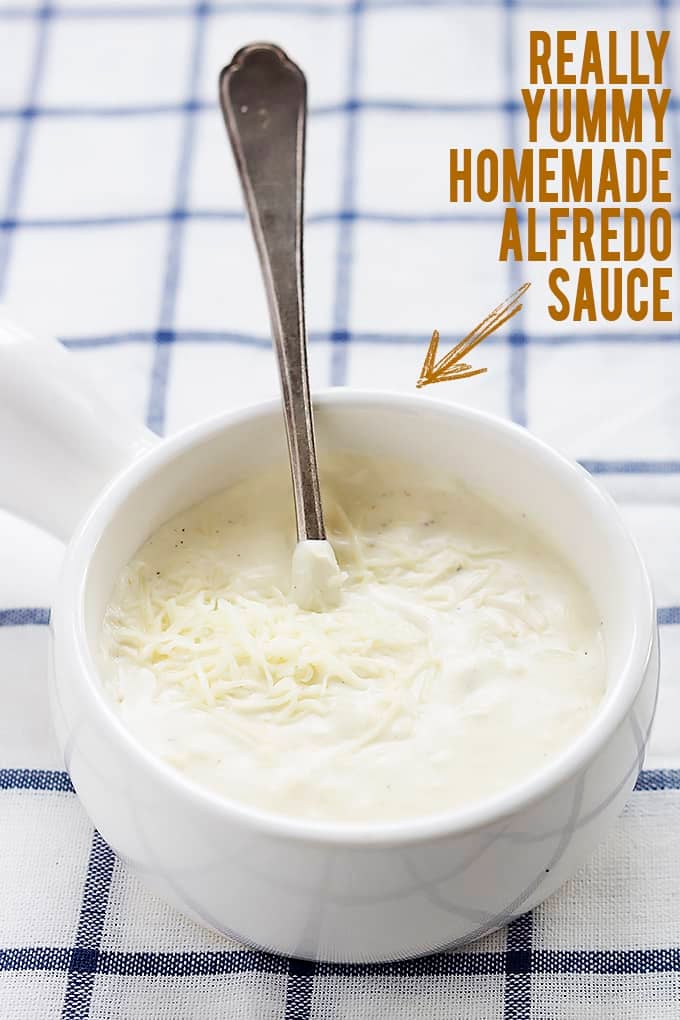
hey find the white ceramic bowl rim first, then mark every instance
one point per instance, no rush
(69, 625)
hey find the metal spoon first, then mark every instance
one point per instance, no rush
(263, 95)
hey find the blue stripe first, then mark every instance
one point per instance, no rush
(559, 339)
(609, 962)
(197, 105)
(118, 219)
(102, 12)
(97, 112)
(457, 215)
(632, 467)
(147, 964)
(299, 990)
(24, 617)
(658, 779)
(35, 779)
(163, 345)
(345, 236)
(668, 615)
(84, 960)
(24, 132)
(633, 961)
(517, 364)
(470, 964)
(375, 105)
(248, 339)
(32, 958)
(518, 968)
(190, 964)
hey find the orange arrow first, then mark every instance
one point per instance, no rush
(450, 366)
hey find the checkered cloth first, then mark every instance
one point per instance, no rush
(122, 231)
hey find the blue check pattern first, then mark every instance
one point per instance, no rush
(122, 230)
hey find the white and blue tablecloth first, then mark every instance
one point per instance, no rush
(122, 231)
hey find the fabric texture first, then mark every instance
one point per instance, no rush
(122, 232)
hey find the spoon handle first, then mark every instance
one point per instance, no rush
(263, 96)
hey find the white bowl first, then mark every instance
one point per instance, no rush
(318, 890)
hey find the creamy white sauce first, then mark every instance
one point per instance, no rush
(462, 653)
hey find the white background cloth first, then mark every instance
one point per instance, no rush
(122, 232)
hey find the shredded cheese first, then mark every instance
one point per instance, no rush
(454, 626)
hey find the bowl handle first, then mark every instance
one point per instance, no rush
(60, 441)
